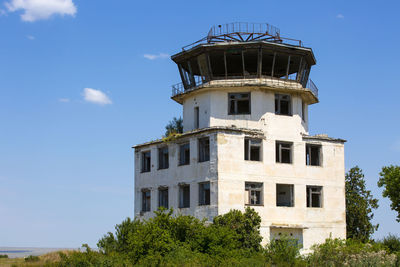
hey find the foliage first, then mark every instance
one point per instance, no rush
(339, 252)
(284, 251)
(174, 127)
(390, 181)
(3, 256)
(32, 258)
(359, 205)
(391, 243)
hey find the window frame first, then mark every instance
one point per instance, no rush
(278, 151)
(160, 151)
(235, 103)
(187, 160)
(309, 195)
(162, 190)
(309, 153)
(143, 165)
(292, 195)
(248, 145)
(181, 195)
(260, 189)
(203, 154)
(202, 194)
(146, 208)
(278, 99)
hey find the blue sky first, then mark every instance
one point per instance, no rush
(83, 81)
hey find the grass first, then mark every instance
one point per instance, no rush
(43, 259)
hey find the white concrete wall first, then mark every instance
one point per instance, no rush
(203, 102)
(192, 174)
(234, 171)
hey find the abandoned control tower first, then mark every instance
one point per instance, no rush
(245, 94)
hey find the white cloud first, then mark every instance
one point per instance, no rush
(64, 100)
(41, 9)
(30, 37)
(96, 96)
(340, 16)
(155, 56)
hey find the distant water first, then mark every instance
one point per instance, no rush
(13, 252)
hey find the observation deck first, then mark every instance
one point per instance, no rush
(245, 54)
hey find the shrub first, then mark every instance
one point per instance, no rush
(284, 251)
(3, 256)
(392, 243)
(32, 258)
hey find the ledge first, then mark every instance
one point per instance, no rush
(252, 132)
(323, 137)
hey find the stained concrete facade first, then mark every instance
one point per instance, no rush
(262, 158)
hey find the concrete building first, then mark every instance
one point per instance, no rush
(245, 94)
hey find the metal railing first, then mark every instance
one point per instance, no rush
(179, 88)
(243, 27)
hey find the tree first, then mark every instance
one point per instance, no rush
(390, 180)
(359, 205)
(173, 127)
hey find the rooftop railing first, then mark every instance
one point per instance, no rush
(179, 88)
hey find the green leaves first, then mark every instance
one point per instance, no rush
(390, 181)
(359, 206)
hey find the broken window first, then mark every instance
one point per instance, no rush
(163, 159)
(314, 196)
(184, 154)
(146, 199)
(313, 155)
(184, 196)
(163, 197)
(146, 161)
(204, 149)
(196, 117)
(284, 152)
(252, 149)
(204, 193)
(283, 104)
(284, 195)
(253, 193)
(239, 103)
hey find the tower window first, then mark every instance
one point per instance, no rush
(204, 193)
(303, 111)
(196, 118)
(204, 149)
(252, 149)
(239, 103)
(313, 155)
(184, 154)
(283, 104)
(146, 199)
(163, 197)
(184, 196)
(146, 161)
(284, 195)
(314, 196)
(253, 193)
(284, 152)
(163, 159)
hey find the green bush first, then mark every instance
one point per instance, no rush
(391, 242)
(3, 256)
(284, 251)
(31, 258)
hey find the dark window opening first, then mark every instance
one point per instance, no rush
(146, 199)
(252, 149)
(163, 158)
(253, 193)
(284, 195)
(283, 152)
(184, 196)
(146, 161)
(204, 193)
(196, 118)
(314, 196)
(313, 155)
(239, 103)
(204, 149)
(283, 105)
(303, 111)
(184, 154)
(163, 197)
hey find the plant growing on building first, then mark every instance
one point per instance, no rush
(175, 126)
(359, 206)
(390, 181)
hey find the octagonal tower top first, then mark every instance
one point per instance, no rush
(245, 54)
